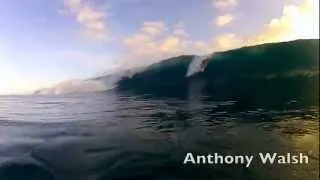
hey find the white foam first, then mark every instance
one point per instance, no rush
(197, 65)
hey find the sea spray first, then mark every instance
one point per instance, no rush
(197, 65)
(74, 86)
(97, 84)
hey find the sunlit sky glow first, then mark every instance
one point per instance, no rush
(43, 42)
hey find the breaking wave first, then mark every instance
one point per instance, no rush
(111, 81)
(248, 67)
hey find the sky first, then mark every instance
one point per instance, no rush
(44, 42)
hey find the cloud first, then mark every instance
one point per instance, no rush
(147, 41)
(202, 47)
(296, 22)
(92, 18)
(180, 32)
(224, 20)
(299, 21)
(153, 28)
(154, 40)
(172, 44)
(148, 46)
(222, 4)
(228, 41)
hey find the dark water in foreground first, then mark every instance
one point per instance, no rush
(106, 136)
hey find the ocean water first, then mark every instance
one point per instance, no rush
(113, 135)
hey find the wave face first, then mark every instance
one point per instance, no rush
(271, 72)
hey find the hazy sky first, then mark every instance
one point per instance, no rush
(43, 42)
